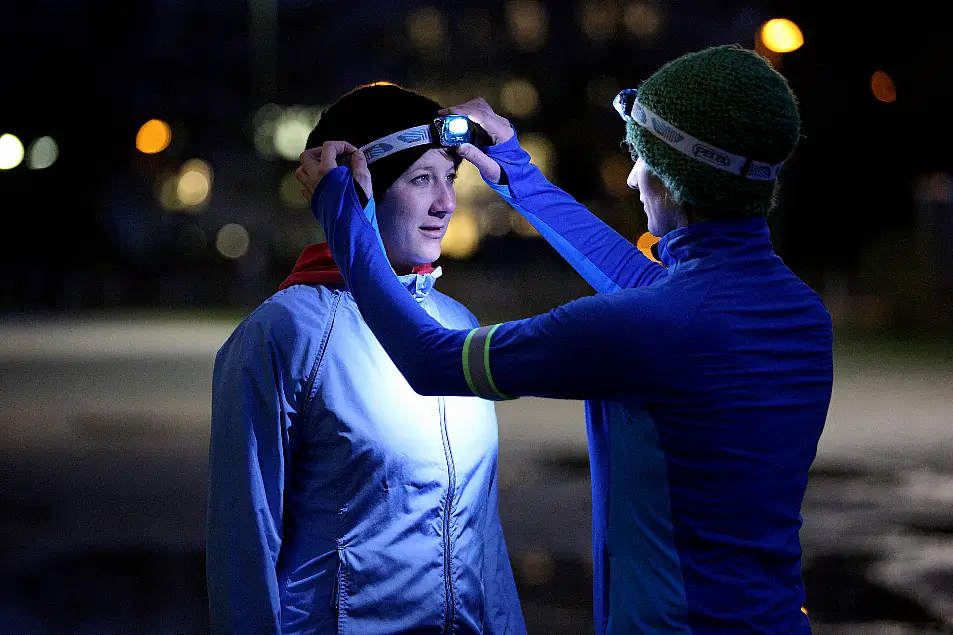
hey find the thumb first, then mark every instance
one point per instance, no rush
(489, 169)
(362, 173)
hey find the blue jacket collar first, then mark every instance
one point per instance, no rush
(736, 239)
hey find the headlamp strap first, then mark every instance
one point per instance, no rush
(416, 136)
(701, 151)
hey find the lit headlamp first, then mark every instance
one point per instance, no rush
(445, 131)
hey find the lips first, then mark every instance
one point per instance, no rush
(434, 231)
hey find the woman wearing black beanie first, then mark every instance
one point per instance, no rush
(340, 499)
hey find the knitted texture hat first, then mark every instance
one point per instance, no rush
(371, 111)
(729, 97)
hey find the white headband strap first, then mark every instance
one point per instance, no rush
(701, 151)
(416, 136)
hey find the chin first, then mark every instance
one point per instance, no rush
(427, 255)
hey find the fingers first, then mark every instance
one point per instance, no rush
(310, 158)
(317, 162)
(330, 151)
(489, 169)
(362, 174)
(481, 113)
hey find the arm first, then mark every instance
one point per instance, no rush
(572, 352)
(607, 260)
(249, 457)
(603, 257)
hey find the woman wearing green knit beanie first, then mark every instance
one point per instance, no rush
(707, 372)
(731, 101)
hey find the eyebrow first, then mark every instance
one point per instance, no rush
(429, 167)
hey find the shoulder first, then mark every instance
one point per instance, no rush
(453, 312)
(286, 322)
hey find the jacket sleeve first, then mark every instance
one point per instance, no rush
(503, 614)
(572, 352)
(253, 431)
(603, 257)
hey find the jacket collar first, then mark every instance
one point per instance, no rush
(736, 239)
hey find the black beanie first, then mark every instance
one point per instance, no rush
(369, 112)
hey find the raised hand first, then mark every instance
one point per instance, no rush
(317, 162)
(497, 128)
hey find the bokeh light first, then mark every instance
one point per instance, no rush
(11, 151)
(194, 183)
(289, 191)
(463, 235)
(283, 131)
(643, 20)
(598, 19)
(883, 88)
(519, 97)
(427, 29)
(540, 150)
(527, 23)
(42, 154)
(781, 35)
(291, 131)
(154, 136)
(232, 241)
(186, 190)
(469, 183)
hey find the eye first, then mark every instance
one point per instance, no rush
(452, 177)
(420, 180)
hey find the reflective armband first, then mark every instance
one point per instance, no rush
(476, 364)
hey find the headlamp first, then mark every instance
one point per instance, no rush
(445, 131)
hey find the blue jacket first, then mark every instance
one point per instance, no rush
(707, 382)
(341, 501)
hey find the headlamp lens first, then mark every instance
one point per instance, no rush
(453, 129)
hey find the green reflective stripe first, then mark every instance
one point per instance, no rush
(473, 364)
(466, 362)
(486, 365)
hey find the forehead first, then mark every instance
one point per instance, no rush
(435, 159)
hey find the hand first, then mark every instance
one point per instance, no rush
(481, 113)
(317, 162)
(497, 128)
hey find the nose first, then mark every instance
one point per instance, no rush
(632, 181)
(445, 201)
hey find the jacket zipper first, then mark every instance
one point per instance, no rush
(336, 590)
(447, 507)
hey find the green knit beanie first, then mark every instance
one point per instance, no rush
(730, 98)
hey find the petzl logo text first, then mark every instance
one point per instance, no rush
(709, 155)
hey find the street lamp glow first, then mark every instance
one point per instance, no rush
(11, 151)
(883, 88)
(154, 136)
(781, 35)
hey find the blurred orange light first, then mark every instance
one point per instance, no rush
(154, 136)
(644, 244)
(883, 88)
(781, 35)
